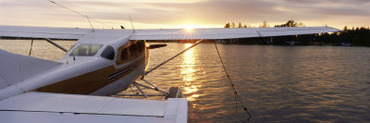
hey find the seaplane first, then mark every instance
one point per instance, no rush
(102, 62)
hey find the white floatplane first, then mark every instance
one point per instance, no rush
(102, 62)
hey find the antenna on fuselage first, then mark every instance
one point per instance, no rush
(132, 25)
(87, 17)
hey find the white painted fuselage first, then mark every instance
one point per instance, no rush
(95, 65)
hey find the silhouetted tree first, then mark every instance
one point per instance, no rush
(345, 28)
(233, 25)
(291, 23)
(227, 25)
(265, 24)
(240, 25)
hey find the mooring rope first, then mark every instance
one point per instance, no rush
(232, 86)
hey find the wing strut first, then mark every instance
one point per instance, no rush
(55, 44)
(29, 53)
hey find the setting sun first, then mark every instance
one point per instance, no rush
(189, 27)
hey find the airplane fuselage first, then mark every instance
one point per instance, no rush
(90, 67)
(98, 75)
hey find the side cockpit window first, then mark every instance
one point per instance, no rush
(130, 51)
(141, 46)
(122, 54)
(86, 50)
(133, 49)
(108, 53)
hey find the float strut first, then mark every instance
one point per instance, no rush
(141, 91)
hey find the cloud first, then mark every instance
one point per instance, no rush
(219, 11)
(170, 12)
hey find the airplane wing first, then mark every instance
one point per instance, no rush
(41, 107)
(42, 32)
(226, 33)
(160, 34)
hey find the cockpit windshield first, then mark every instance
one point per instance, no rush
(86, 50)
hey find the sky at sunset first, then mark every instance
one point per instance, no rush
(182, 13)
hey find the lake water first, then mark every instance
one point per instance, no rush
(277, 83)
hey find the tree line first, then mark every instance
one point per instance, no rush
(289, 23)
(355, 36)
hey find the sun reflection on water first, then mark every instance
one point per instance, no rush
(188, 74)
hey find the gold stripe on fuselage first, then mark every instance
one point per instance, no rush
(89, 82)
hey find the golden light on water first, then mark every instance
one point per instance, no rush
(188, 74)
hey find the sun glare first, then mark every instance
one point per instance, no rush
(189, 28)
